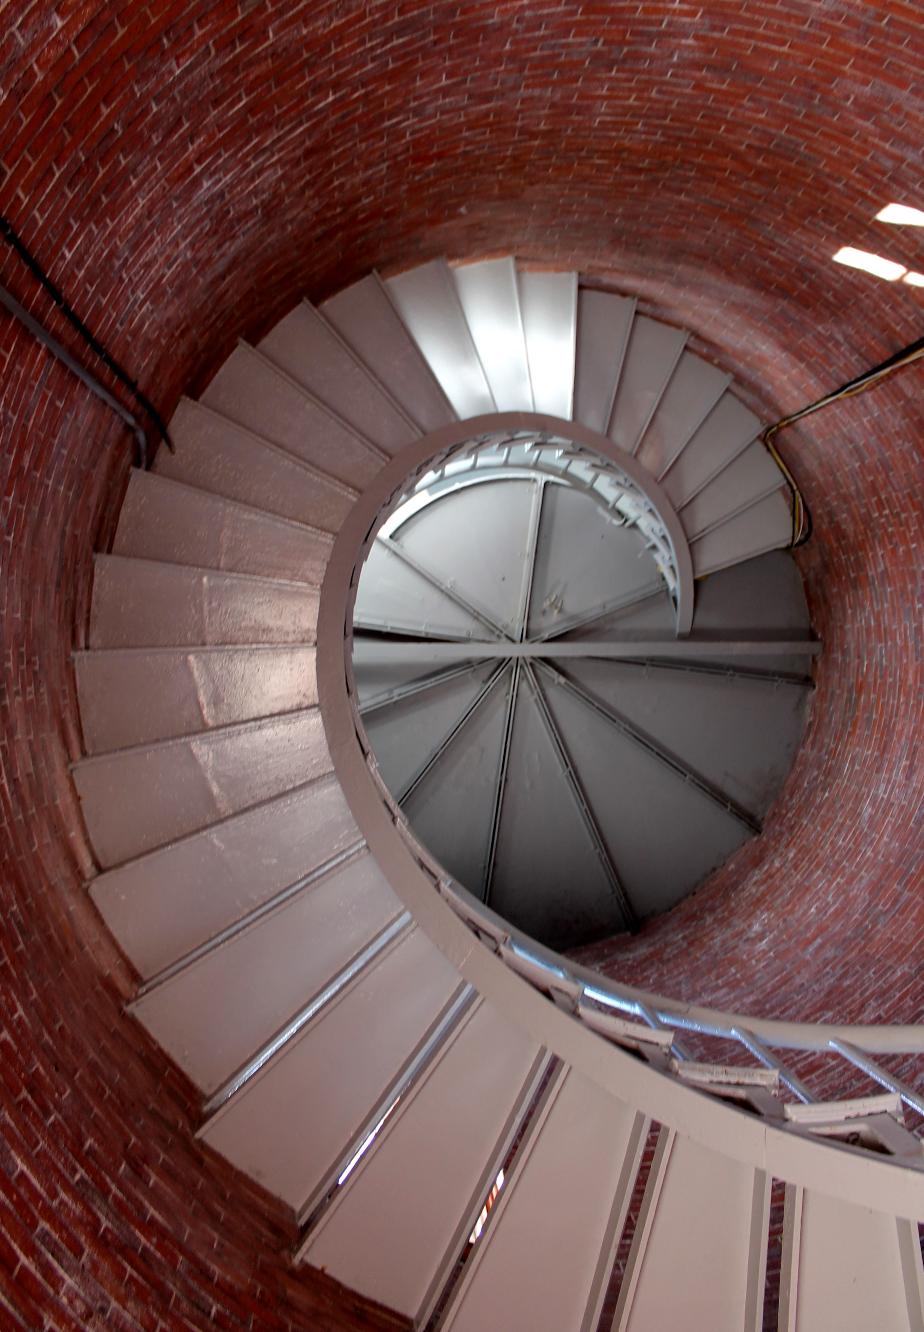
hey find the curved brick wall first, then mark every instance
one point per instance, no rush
(186, 171)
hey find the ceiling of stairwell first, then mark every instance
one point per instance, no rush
(572, 792)
(187, 172)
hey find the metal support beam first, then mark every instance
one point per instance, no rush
(580, 799)
(501, 779)
(656, 751)
(447, 740)
(675, 649)
(448, 591)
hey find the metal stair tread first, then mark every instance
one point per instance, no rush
(159, 479)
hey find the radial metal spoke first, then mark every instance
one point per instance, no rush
(722, 672)
(447, 740)
(652, 747)
(580, 799)
(501, 779)
(402, 692)
(624, 602)
(451, 593)
(529, 568)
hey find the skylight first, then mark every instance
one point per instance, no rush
(870, 263)
(901, 215)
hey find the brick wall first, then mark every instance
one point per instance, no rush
(186, 170)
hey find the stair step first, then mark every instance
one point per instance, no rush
(428, 302)
(178, 524)
(603, 329)
(751, 477)
(132, 696)
(143, 603)
(395, 596)
(279, 1128)
(696, 1259)
(764, 526)
(848, 1267)
(548, 303)
(366, 319)
(636, 795)
(544, 1259)
(650, 360)
(491, 304)
(570, 579)
(409, 1194)
(218, 456)
(726, 432)
(311, 352)
(256, 394)
(137, 799)
(739, 734)
(215, 1014)
(165, 904)
(694, 389)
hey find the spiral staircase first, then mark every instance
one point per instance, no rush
(282, 662)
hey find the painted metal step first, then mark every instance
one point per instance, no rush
(132, 696)
(428, 302)
(490, 527)
(550, 875)
(694, 389)
(453, 809)
(409, 734)
(395, 597)
(252, 391)
(572, 578)
(216, 1013)
(750, 477)
(137, 799)
(311, 352)
(848, 1267)
(545, 1256)
(490, 301)
(726, 432)
(662, 834)
(409, 1194)
(651, 357)
(764, 526)
(380, 678)
(698, 1255)
(548, 304)
(173, 900)
(739, 733)
(297, 1115)
(604, 323)
(143, 603)
(214, 454)
(175, 523)
(368, 322)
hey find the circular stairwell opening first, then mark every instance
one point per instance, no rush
(570, 759)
